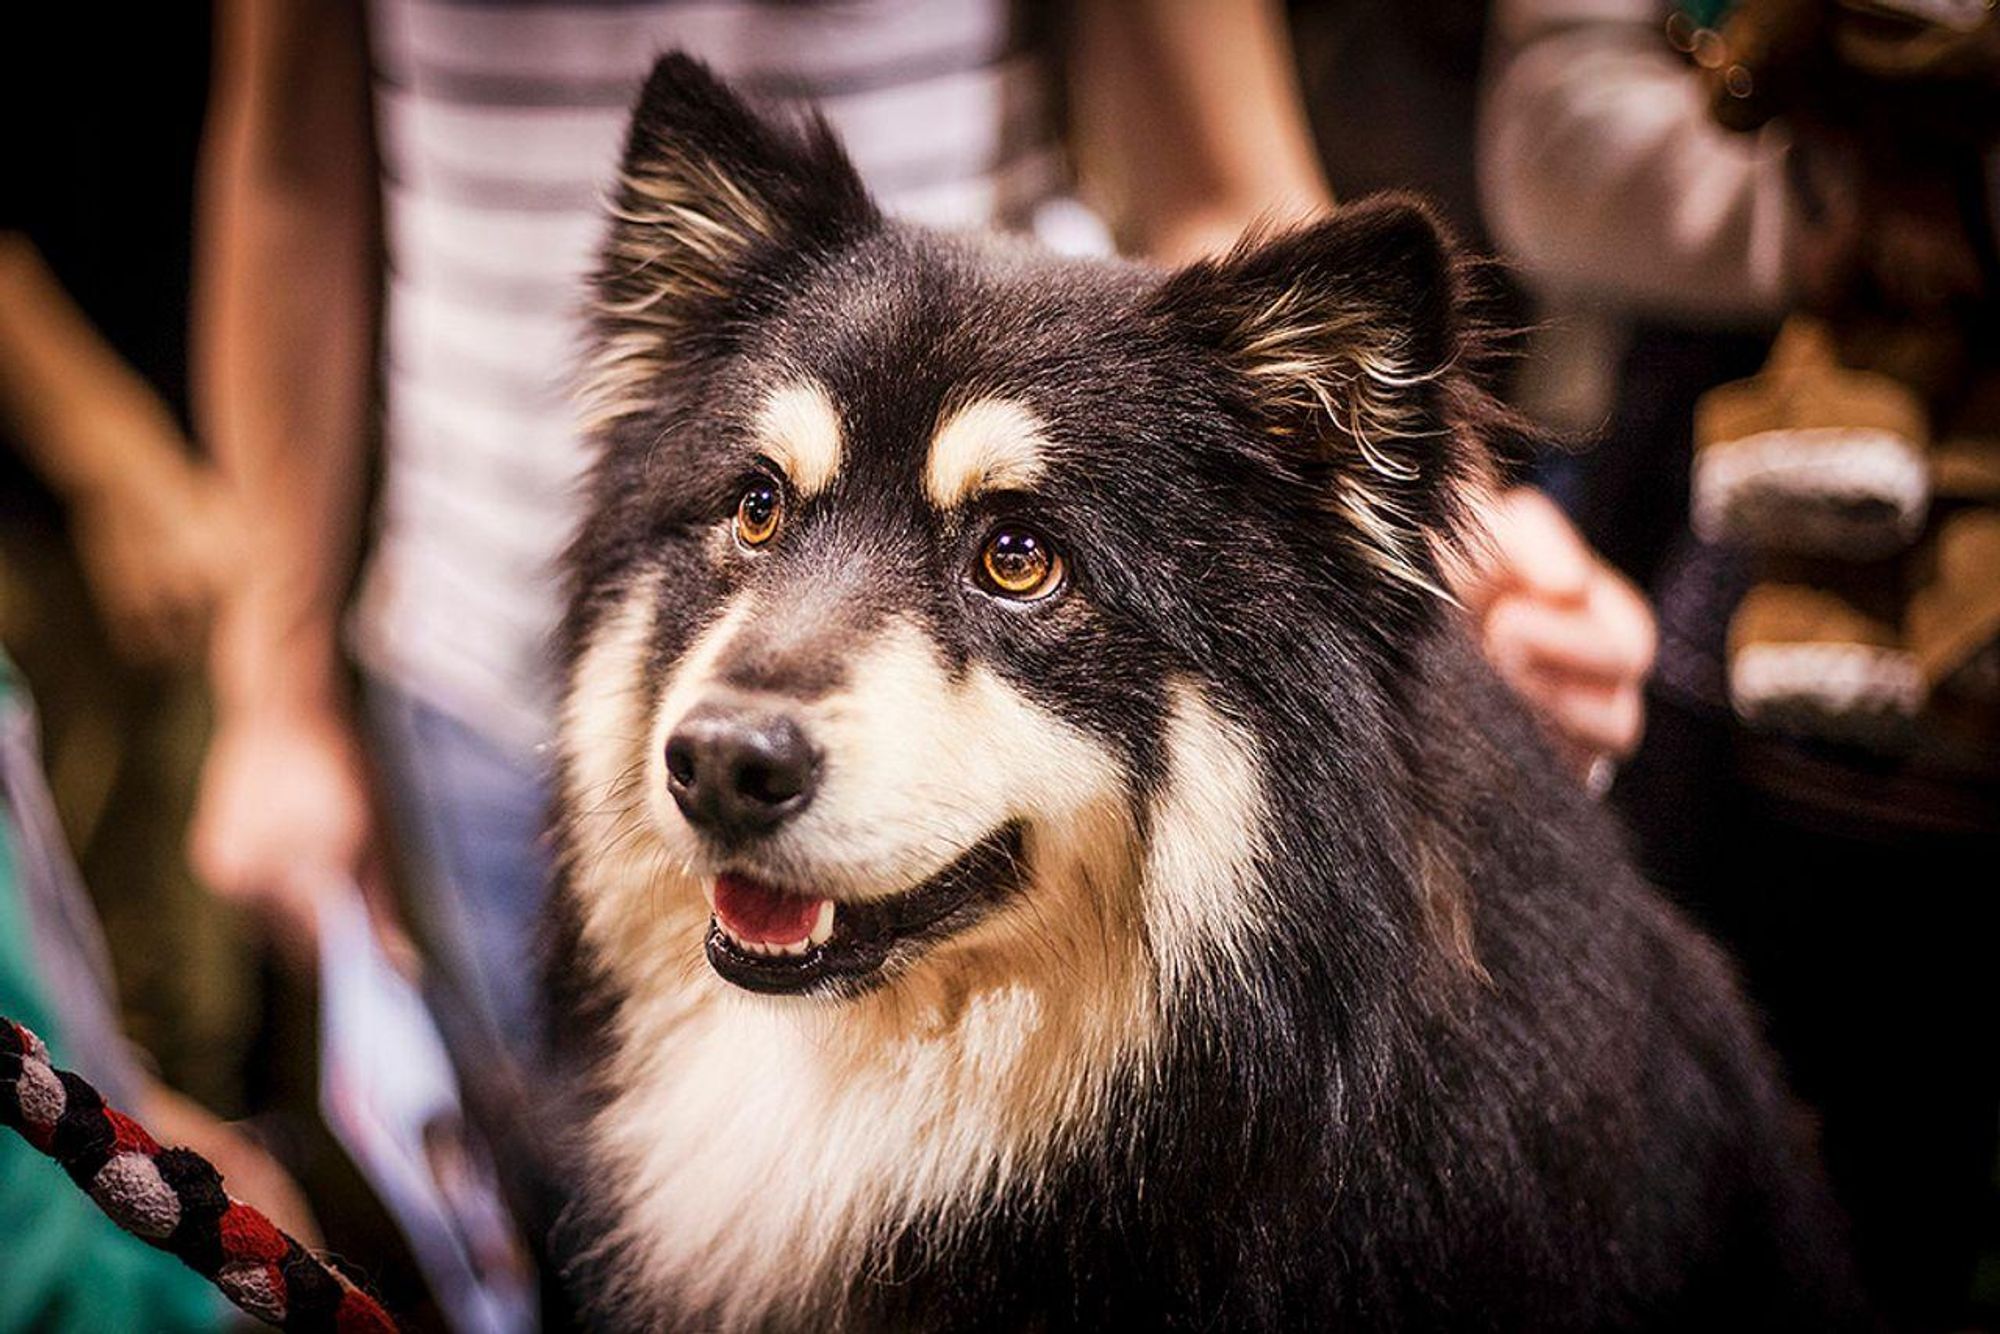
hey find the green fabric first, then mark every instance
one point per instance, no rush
(63, 1265)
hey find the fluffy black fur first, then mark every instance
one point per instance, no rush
(1477, 1075)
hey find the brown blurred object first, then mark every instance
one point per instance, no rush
(1954, 621)
(1809, 455)
(1893, 107)
(1939, 63)
(1818, 658)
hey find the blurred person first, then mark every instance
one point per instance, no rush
(1393, 96)
(1655, 241)
(64, 1266)
(1850, 882)
(115, 535)
(1565, 629)
(477, 139)
(116, 538)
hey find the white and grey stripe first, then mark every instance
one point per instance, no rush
(499, 126)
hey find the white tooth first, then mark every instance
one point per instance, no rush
(822, 928)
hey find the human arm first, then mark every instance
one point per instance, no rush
(1189, 122)
(285, 307)
(152, 526)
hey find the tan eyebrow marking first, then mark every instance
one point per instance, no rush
(799, 428)
(989, 444)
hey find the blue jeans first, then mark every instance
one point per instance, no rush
(470, 816)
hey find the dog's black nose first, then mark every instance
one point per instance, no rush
(737, 772)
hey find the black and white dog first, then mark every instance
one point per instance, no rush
(1039, 851)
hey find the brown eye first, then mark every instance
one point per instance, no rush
(1019, 563)
(757, 514)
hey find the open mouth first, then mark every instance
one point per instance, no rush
(781, 940)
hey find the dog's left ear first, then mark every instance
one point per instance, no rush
(1345, 340)
(714, 208)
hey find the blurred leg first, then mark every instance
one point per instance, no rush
(470, 816)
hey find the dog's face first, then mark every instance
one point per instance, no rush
(926, 578)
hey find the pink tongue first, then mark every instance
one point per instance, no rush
(761, 913)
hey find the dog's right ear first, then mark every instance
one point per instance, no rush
(714, 206)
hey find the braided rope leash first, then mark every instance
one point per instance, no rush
(173, 1198)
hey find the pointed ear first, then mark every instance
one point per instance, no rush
(1345, 342)
(714, 205)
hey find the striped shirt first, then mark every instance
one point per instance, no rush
(500, 123)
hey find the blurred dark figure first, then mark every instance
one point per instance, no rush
(1851, 877)
(1862, 467)
(1392, 92)
(115, 536)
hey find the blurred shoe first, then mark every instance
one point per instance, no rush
(1812, 458)
(1808, 660)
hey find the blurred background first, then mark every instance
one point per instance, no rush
(287, 291)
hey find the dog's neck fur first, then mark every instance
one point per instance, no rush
(763, 1145)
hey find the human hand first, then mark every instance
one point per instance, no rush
(249, 1173)
(1567, 632)
(285, 813)
(158, 539)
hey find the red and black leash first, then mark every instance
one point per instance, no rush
(173, 1198)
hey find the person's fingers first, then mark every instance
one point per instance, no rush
(386, 917)
(1524, 635)
(291, 912)
(1475, 570)
(1615, 603)
(283, 812)
(1591, 719)
(1519, 540)
(186, 607)
(128, 628)
(142, 627)
(1540, 549)
(1569, 634)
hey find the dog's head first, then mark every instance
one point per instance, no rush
(939, 598)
